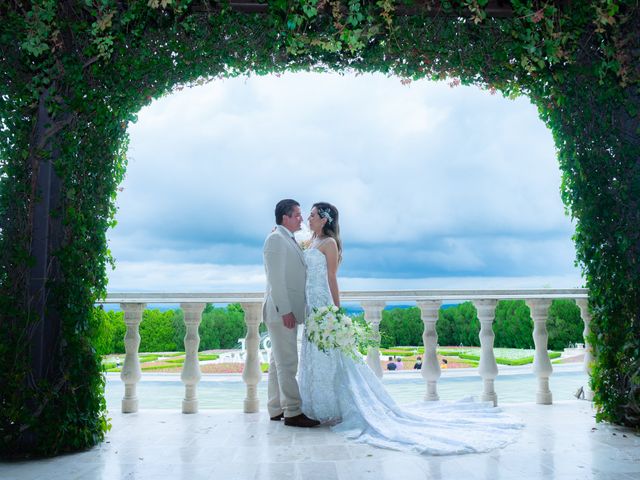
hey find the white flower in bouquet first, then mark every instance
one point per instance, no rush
(344, 339)
(331, 328)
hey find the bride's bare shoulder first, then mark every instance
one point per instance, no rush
(328, 245)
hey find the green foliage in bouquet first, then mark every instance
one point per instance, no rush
(330, 328)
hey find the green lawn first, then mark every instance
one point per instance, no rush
(170, 360)
(470, 355)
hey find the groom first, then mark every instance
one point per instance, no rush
(283, 310)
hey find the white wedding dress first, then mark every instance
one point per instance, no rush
(337, 390)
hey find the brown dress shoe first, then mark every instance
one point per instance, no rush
(277, 418)
(301, 421)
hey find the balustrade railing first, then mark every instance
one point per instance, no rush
(373, 303)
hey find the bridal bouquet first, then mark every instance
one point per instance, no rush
(331, 328)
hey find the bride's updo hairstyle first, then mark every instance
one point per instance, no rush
(332, 226)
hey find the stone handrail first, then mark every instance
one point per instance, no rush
(348, 296)
(372, 302)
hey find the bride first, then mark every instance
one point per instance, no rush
(346, 394)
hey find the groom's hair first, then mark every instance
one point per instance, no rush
(285, 207)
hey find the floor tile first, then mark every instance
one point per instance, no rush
(559, 442)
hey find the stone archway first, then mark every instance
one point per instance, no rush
(79, 71)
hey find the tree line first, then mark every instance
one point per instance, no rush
(221, 327)
(164, 331)
(459, 325)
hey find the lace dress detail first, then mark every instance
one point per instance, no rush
(337, 390)
(318, 381)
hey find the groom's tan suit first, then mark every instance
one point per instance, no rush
(286, 279)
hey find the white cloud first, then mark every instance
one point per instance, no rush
(407, 166)
(174, 277)
(461, 283)
(203, 277)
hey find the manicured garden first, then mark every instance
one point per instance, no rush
(463, 357)
(449, 357)
(172, 362)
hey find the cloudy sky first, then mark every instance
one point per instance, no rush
(437, 187)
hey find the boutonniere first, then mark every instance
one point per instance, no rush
(303, 237)
(304, 244)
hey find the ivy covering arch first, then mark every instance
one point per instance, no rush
(75, 72)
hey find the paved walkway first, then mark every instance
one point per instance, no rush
(559, 442)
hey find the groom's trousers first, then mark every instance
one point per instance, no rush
(283, 391)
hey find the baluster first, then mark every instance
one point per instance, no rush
(191, 370)
(430, 365)
(131, 372)
(251, 373)
(583, 303)
(541, 364)
(373, 315)
(488, 368)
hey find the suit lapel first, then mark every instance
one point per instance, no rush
(292, 244)
(299, 252)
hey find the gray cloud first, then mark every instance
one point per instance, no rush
(494, 256)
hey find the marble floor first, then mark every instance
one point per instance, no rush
(559, 442)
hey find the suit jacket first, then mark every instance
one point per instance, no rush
(286, 277)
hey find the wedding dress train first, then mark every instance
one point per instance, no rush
(345, 393)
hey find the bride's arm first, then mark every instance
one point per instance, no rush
(330, 250)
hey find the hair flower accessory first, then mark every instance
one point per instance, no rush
(326, 214)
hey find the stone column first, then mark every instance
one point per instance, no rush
(488, 368)
(583, 303)
(131, 372)
(373, 315)
(191, 370)
(251, 372)
(541, 364)
(430, 365)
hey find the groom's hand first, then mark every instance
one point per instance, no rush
(289, 320)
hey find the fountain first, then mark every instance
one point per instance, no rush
(241, 353)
